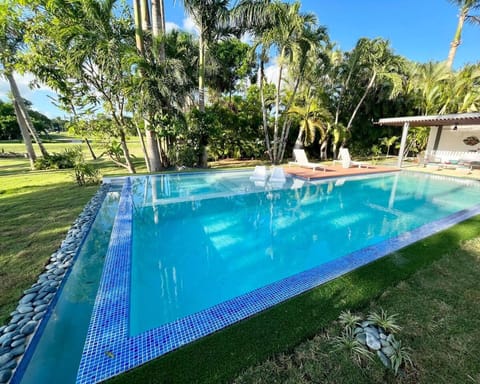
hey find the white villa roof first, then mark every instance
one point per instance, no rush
(433, 120)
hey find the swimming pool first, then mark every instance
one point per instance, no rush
(191, 255)
(180, 267)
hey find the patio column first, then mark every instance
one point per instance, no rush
(406, 125)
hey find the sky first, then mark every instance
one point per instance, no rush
(420, 30)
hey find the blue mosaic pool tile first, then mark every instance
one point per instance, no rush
(109, 350)
(111, 307)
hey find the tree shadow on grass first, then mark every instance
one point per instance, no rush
(13, 169)
(32, 227)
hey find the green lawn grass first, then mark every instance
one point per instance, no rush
(36, 210)
(432, 284)
(64, 142)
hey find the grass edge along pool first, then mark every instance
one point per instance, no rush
(109, 350)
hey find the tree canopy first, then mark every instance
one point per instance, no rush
(194, 97)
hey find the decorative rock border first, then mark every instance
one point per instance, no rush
(34, 309)
(377, 340)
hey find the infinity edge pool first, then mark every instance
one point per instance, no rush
(109, 350)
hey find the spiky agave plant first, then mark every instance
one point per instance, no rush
(349, 320)
(401, 355)
(348, 343)
(385, 321)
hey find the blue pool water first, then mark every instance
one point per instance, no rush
(189, 255)
(172, 188)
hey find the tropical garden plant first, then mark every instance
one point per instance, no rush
(350, 341)
(148, 81)
(11, 43)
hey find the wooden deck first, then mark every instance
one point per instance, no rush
(335, 171)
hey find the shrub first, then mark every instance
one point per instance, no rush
(186, 155)
(64, 160)
(86, 173)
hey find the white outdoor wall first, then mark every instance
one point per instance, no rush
(451, 140)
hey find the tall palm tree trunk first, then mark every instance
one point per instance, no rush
(25, 135)
(126, 152)
(203, 159)
(201, 74)
(158, 32)
(142, 24)
(158, 25)
(457, 38)
(264, 111)
(143, 146)
(137, 15)
(355, 111)
(22, 109)
(21, 120)
(277, 112)
(32, 130)
(89, 146)
(144, 15)
(287, 123)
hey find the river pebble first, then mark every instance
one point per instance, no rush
(5, 375)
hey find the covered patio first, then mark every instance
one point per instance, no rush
(454, 133)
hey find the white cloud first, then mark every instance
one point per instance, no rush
(40, 96)
(271, 73)
(189, 25)
(23, 83)
(169, 26)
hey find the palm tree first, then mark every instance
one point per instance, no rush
(465, 6)
(160, 90)
(314, 119)
(279, 27)
(388, 142)
(11, 41)
(154, 29)
(212, 19)
(461, 91)
(80, 48)
(288, 37)
(376, 61)
(429, 81)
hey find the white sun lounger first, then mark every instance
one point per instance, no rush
(278, 176)
(259, 173)
(347, 162)
(302, 161)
